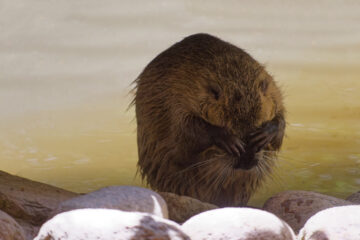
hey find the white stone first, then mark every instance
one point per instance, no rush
(237, 224)
(337, 223)
(109, 224)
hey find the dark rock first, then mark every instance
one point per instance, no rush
(354, 198)
(296, 207)
(30, 230)
(9, 228)
(126, 198)
(181, 208)
(29, 200)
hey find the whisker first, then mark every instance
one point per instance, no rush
(274, 176)
(292, 159)
(217, 182)
(223, 176)
(195, 165)
(204, 176)
(277, 179)
(284, 162)
(269, 151)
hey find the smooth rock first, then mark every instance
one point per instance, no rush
(109, 224)
(337, 223)
(30, 230)
(237, 224)
(296, 207)
(181, 208)
(9, 228)
(354, 198)
(126, 198)
(29, 200)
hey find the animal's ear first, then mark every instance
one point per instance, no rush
(215, 92)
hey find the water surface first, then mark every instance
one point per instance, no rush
(66, 69)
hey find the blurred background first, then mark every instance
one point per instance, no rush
(66, 69)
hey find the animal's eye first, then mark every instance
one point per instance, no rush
(215, 92)
(264, 85)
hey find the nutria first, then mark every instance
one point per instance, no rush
(210, 121)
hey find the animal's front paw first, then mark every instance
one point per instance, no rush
(263, 136)
(230, 143)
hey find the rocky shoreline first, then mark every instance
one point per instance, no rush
(33, 210)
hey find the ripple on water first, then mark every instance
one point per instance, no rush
(32, 160)
(357, 181)
(326, 177)
(82, 161)
(32, 150)
(296, 125)
(352, 171)
(104, 140)
(354, 156)
(50, 158)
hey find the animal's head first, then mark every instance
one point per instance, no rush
(241, 96)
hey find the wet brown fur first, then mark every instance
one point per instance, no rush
(175, 101)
